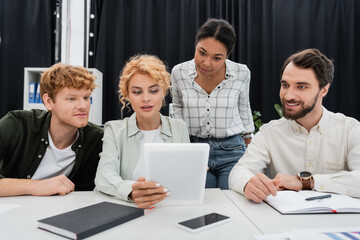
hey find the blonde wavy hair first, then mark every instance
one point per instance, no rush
(62, 75)
(143, 64)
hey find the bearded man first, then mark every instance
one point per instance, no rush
(310, 147)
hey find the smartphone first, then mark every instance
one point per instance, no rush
(203, 222)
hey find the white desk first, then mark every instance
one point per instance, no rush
(268, 220)
(158, 223)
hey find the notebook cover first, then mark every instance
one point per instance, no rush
(87, 221)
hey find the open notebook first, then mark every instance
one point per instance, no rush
(292, 202)
(180, 167)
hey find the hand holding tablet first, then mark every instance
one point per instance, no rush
(179, 167)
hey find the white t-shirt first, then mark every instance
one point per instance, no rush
(152, 136)
(55, 161)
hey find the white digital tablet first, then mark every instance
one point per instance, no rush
(180, 167)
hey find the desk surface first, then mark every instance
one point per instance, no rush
(268, 220)
(158, 223)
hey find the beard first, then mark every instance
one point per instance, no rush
(302, 112)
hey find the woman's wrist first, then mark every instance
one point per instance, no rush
(247, 135)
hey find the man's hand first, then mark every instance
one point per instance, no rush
(259, 187)
(285, 181)
(145, 193)
(56, 185)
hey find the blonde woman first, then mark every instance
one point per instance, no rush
(144, 83)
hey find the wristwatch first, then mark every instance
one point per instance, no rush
(247, 135)
(305, 177)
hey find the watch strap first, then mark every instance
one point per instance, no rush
(306, 183)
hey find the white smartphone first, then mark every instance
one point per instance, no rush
(203, 222)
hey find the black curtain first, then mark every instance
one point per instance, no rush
(27, 40)
(267, 32)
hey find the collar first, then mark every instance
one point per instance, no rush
(321, 126)
(324, 120)
(79, 142)
(192, 70)
(230, 68)
(132, 126)
(45, 129)
(134, 130)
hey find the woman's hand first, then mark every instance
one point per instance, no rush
(145, 193)
(247, 141)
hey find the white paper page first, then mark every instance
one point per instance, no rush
(291, 201)
(337, 201)
(342, 201)
(7, 207)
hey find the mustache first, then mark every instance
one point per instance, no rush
(290, 101)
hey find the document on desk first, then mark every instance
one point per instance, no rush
(348, 233)
(7, 207)
(292, 202)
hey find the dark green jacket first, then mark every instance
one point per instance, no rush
(24, 139)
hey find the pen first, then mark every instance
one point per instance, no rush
(318, 197)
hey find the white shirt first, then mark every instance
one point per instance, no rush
(222, 113)
(55, 161)
(331, 152)
(152, 136)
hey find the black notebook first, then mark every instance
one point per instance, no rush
(87, 221)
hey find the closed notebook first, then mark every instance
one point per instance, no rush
(87, 221)
(291, 202)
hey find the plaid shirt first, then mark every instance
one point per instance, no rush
(222, 113)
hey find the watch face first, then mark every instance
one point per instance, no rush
(305, 174)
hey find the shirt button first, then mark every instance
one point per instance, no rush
(208, 109)
(208, 96)
(42, 139)
(79, 146)
(39, 156)
(208, 123)
(46, 142)
(218, 87)
(28, 176)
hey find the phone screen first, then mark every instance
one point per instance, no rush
(203, 220)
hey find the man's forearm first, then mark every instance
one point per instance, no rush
(56, 185)
(15, 187)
